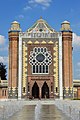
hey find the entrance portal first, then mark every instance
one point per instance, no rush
(35, 91)
(45, 90)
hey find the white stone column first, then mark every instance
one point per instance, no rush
(60, 68)
(20, 69)
(40, 92)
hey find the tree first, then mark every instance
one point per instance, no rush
(3, 71)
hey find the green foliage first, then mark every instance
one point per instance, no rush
(76, 99)
(3, 71)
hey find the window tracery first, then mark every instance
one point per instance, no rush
(40, 59)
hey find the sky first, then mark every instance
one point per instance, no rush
(26, 12)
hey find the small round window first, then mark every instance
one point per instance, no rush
(40, 57)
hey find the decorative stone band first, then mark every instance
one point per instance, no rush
(39, 35)
(24, 35)
(60, 68)
(13, 93)
(20, 69)
(68, 92)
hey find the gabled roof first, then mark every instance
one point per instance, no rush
(41, 26)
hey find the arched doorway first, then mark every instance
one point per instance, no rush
(45, 90)
(35, 91)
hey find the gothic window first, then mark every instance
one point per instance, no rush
(28, 87)
(2, 92)
(5, 92)
(40, 59)
(51, 88)
(56, 89)
(23, 89)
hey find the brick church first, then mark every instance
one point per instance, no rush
(40, 61)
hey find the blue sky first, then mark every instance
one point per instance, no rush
(26, 12)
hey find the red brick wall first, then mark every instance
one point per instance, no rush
(67, 58)
(13, 59)
(40, 79)
(3, 93)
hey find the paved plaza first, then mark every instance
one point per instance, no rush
(47, 112)
(40, 109)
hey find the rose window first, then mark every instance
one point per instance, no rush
(40, 59)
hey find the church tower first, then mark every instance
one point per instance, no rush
(13, 59)
(67, 59)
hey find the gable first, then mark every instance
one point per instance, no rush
(40, 26)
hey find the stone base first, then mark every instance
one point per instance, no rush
(12, 93)
(68, 93)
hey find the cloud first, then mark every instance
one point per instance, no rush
(27, 8)
(4, 59)
(21, 16)
(44, 8)
(34, 3)
(2, 40)
(76, 40)
(45, 3)
(3, 48)
(3, 44)
(78, 64)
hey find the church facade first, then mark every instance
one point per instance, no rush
(40, 61)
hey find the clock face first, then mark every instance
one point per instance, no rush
(40, 57)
